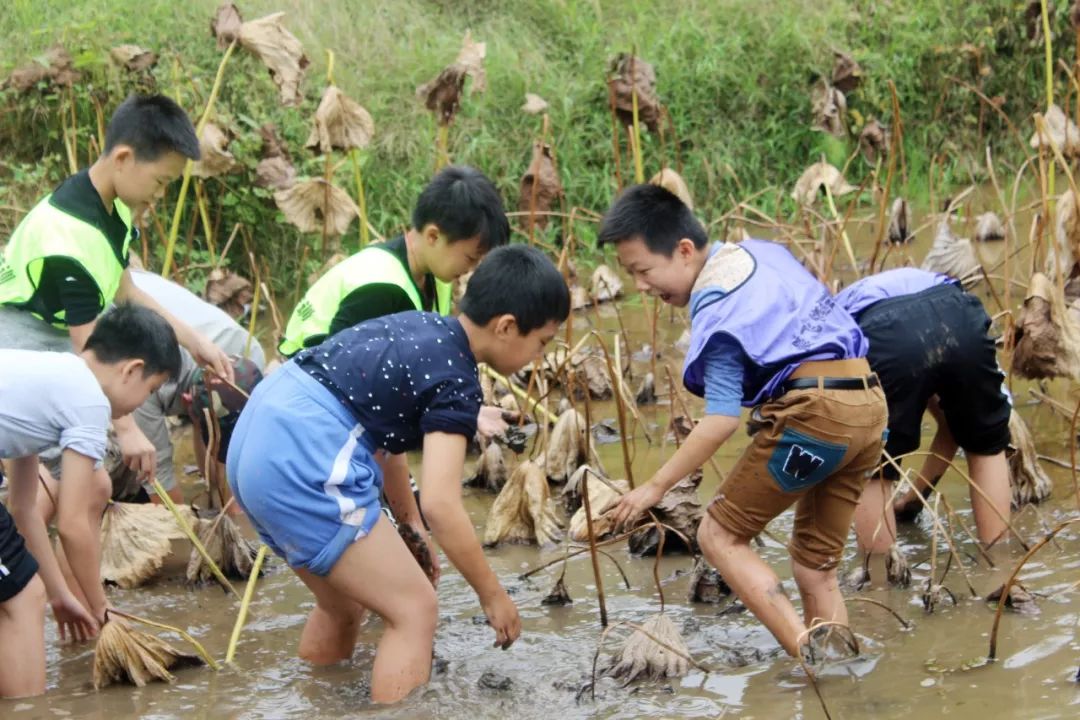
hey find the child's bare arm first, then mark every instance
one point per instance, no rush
(704, 440)
(399, 493)
(444, 461)
(72, 619)
(78, 520)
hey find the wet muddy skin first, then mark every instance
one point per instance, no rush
(932, 670)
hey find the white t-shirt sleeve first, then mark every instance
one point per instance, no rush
(86, 431)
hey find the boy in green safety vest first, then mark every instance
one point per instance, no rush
(67, 260)
(458, 218)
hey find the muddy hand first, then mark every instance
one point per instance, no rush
(138, 452)
(503, 616)
(72, 619)
(207, 353)
(634, 503)
(490, 422)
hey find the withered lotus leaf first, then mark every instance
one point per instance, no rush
(308, 203)
(280, 51)
(341, 123)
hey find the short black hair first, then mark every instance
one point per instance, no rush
(518, 280)
(152, 125)
(654, 214)
(133, 332)
(464, 204)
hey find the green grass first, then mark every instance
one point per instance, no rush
(734, 74)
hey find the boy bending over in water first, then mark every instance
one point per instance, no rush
(305, 461)
(767, 335)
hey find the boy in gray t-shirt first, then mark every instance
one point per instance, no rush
(60, 399)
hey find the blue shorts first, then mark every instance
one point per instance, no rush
(303, 471)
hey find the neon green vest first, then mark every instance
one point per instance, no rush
(315, 313)
(47, 231)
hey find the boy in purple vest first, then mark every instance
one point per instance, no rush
(929, 346)
(765, 334)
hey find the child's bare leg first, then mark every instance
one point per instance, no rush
(22, 651)
(753, 581)
(820, 592)
(990, 473)
(377, 572)
(875, 522)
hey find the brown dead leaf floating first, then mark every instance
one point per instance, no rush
(1066, 236)
(228, 291)
(522, 511)
(1046, 339)
(950, 255)
(1028, 480)
(133, 58)
(227, 547)
(900, 230)
(812, 183)
(280, 51)
(602, 497)
(631, 74)
(606, 284)
(340, 124)
(988, 227)
(491, 472)
(674, 184)
(566, 447)
(540, 186)
(136, 538)
(215, 158)
(680, 508)
(642, 657)
(275, 170)
(305, 205)
(442, 95)
(124, 654)
(1060, 132)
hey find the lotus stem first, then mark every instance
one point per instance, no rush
(174, 229)
(199, 547)
(442, 147)
(204, 216)
(616, 150)
(533, 404)
(1012, 579)
(621, 413)
(1048, 46)
(843, 232)
(635, 140)
(361, 200)
(255, 306)
(592, 549)
(249, 592)
(213, 664)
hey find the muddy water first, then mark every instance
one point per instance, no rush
(901, 673)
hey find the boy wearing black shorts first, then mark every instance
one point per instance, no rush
(930, 348)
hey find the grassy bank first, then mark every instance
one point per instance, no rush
(735, 76)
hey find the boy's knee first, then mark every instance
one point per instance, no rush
(712, 536)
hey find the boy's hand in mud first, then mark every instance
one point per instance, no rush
(502, 615)
(634, 503)
(491, 421)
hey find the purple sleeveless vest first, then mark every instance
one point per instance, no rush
(889, 284)
(778, 312)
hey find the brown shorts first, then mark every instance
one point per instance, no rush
(815, 447)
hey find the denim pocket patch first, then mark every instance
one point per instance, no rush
(800, 461)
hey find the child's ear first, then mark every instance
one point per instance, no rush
(685, 248)
(504, 326)
(132, 369)
(122, 154)
(431, 233)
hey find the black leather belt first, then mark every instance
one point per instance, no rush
(831, 383)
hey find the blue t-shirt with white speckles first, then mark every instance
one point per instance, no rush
(401, 376)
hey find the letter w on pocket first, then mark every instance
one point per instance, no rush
(800, 461)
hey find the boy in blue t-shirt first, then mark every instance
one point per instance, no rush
(306, 461)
